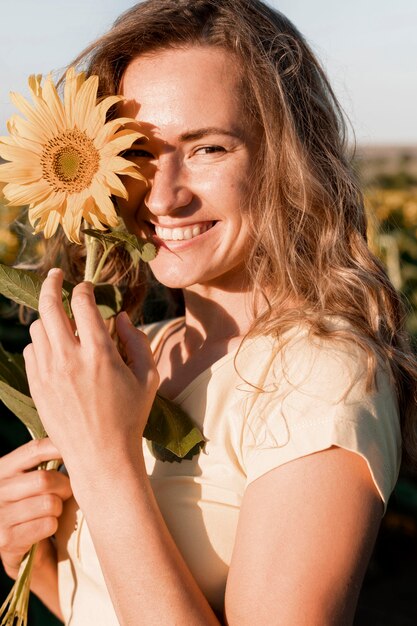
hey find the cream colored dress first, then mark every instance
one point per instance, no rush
(313, 398)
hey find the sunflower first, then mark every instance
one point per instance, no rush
(64, 159)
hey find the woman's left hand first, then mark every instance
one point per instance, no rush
(93, 405)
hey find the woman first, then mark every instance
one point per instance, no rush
(291, 355)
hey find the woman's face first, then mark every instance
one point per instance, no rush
(198, 158)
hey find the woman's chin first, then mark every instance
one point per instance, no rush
(171, 277)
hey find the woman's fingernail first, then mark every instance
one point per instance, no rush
(53, 271)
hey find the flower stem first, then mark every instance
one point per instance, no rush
(91, 244)
(17, 601)
(101, 263)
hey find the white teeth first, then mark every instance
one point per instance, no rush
(179, 234)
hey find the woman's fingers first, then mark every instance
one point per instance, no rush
(27, 457)
(88, 321)
(36, 507)
(30, 501)
(136, 347)
(55, 321)
(30, 484)
(90, 325)
(19, 538)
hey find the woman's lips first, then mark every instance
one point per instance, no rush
(184, 233)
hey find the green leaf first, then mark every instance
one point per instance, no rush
(108, 299)
(24, 287)
(21, 286)
(24, 408)
(134, 245)
(12, 371)
(171, 428)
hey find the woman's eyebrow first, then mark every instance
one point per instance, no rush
(200, 133)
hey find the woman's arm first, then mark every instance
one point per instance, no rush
(305, 535)
(103, 406)
(146, 575)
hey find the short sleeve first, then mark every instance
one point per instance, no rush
(316, 398)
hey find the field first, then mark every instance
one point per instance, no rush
(389, 178)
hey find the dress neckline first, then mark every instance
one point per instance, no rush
(156, 341)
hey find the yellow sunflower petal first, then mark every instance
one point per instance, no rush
(33, 114)
(103, 201)
(55, 201)
(80, 80)
(52, 224)
(122, 140)
(54, 103)
(48, 115)
(20, 128)
(123, 167)
(106, 132)
(20, 195)
(85, 102)
(71, 221)
(97, 117)
(33, 148)
(12, 173)
(119, 164)
(91, 218)
(115, 185)
(73, 83)
(34, 82)
(17, 153)
(92, 214)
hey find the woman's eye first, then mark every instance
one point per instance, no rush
(209, 150)
(136, 153)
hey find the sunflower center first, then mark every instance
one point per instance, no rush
(69, 161)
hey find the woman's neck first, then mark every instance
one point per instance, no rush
(215, 315)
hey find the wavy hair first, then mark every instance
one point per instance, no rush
(309, 260)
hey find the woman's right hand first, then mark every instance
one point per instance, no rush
(30, 503)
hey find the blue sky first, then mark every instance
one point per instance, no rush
(368, 47)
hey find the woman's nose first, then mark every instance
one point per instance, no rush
(168, 189)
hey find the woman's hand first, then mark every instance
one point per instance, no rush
(30, 503)
(94, 406)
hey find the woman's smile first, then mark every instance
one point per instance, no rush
(178, 233)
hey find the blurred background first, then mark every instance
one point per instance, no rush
(369, 50)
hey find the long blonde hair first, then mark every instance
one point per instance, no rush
(309, 258)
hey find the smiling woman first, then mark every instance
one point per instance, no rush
(291, 356)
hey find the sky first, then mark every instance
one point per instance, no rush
(368, 48)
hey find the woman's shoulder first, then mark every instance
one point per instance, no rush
(332, 364)
(315, 395)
